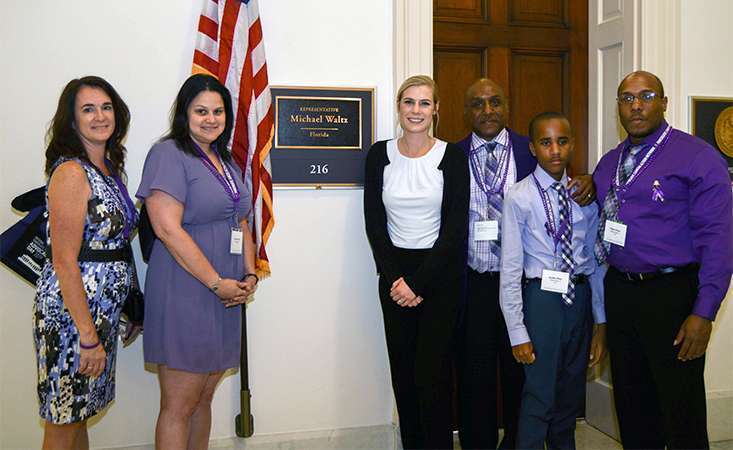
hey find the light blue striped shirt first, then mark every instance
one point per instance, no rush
(527, 248)
(480, 258)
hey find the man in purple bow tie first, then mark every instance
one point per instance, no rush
(665, 232)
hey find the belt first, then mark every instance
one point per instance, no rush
(87, 254)
(486, 274)
(577, 279)
(646, 276)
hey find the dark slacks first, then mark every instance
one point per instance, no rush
(659, 399)
(554, 386)
(482, 342)
(419, 341)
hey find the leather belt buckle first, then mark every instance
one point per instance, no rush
(631, 276)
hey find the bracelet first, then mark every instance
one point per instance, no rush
(213, 287)
(89, 347)
(257, 279)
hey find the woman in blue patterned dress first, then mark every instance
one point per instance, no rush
(83, 285)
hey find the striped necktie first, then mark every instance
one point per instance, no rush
(629, 163)
(611, 206)
(565, 228)
(495, 200)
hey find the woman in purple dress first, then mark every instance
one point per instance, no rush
(202, 264)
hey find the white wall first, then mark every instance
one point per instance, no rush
(317, 353)
(687, 43)
(707, 70)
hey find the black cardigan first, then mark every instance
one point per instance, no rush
(447, 258)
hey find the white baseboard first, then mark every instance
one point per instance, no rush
(371, 437)
(720, 415)
(599, 408)
(601, 414)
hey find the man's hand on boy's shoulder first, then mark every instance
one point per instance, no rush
(585, 191)
(597, 344)
(524, 353)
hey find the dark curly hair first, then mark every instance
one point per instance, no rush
(62, 137)
(180, 133)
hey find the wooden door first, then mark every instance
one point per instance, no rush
(537, 50)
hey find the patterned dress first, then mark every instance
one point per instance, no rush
(65, 396)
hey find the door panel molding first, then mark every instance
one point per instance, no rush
(530, 98)
(544, 13)
(614, 50)
(474, 10)
(462, 66)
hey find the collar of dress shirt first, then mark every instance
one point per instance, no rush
(502, 139)
(546, 180)
(648, 141)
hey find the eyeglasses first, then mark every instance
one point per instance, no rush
(644, 97)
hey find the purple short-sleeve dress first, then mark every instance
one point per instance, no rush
(186, 326)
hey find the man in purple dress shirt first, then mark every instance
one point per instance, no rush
(665, 231)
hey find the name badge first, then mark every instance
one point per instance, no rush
(235, 244)
(486, 230)
(615, 233)
(555, 281)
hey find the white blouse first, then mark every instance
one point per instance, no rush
(413, 196)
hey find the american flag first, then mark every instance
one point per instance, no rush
(229, 46)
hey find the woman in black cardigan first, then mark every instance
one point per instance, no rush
(416, 195)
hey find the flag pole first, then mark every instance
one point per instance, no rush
(233, 57)
(244, 423)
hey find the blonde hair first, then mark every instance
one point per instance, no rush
(418, 80)
(421, 80)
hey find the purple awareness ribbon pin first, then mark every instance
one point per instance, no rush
(657, 193)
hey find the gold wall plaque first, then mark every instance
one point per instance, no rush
(322, 135)
(724, 131)
(711, 119)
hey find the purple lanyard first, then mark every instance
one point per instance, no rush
(226, 181)
(481, 181)
(553, 231)
(127, 205)
(123, 197)
(646, 162)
